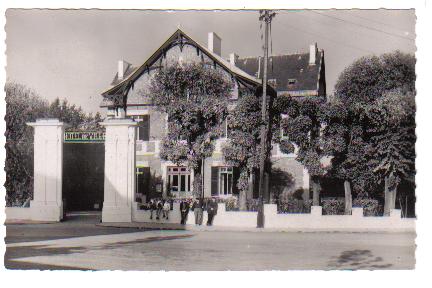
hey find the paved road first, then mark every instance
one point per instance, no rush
(81, 245)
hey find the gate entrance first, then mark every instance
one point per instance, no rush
(83, 172)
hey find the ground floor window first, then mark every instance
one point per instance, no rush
(225, 180)
(222, 179)
(142, 186)
(179, 179)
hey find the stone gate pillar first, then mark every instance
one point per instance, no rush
(47, 204)
(119, 183)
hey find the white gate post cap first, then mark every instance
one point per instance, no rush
(46, 122)
(118, 122)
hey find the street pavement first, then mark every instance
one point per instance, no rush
(81, 244)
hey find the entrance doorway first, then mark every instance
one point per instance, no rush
(83, 176)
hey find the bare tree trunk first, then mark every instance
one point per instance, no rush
(242, 200)
(266, 188)
(316, 188)
(394, 194)
(348, 198)
(250, 191)
(387, 197)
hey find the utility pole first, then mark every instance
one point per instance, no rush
(266, 16)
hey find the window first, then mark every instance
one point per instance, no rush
(143, 131)
(143, 181)
(225, 181)
(291, 82)
(179, 179)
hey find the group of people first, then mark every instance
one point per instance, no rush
(198, 206)
(160, 206)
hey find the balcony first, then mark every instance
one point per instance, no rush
(148, 148)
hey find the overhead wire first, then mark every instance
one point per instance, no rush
(324, 37)
(374, 21)
(361, 25)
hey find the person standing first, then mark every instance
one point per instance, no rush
(152, 207)
(166, 209)
(184, 211)
(159, 207)
(198, 211)
(212, 208)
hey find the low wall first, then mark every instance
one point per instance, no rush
(36, 212)
(314, 221)
(18, 213)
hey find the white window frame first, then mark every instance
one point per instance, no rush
(221, 180)
(179, 171)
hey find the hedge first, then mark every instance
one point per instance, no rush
(333, 207)
(370, 207)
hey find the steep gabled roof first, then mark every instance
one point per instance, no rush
(120, 86)
(283, 68)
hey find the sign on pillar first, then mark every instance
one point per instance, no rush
(47, 204)
(119, 183)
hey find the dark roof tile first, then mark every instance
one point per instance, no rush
(283, 68)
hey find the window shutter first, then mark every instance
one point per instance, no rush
(144, 128)
(214, 180)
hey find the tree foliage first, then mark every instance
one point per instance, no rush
(370, 77)
(392, 130)
(344, 137)
(22, 106)
(363, 131)
(195, 98)
(244, 122)
(301, 127)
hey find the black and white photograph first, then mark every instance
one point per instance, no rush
(210, 140)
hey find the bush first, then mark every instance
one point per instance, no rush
(290, 204)
(333, 207)
(370, 206)
(252, 205)
(231, 204)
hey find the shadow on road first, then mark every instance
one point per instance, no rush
(357, 260)
(43, 250)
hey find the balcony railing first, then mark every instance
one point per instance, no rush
(147, 147)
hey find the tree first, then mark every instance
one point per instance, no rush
(392, 129)
(302, 128)
(195, 98)
(343, 138)
(370, 77)
(242, 149)
(74, 116)
(348, 135)
(22, 106)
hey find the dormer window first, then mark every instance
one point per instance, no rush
(292, 82)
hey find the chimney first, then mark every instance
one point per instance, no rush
(233, 59)
(214, 43)
(122, 67)
(313, 49)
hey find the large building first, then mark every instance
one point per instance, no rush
(297, 75)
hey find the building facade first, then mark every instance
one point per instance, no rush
(296, 75)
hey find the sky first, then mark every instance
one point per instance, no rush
(73, 54)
